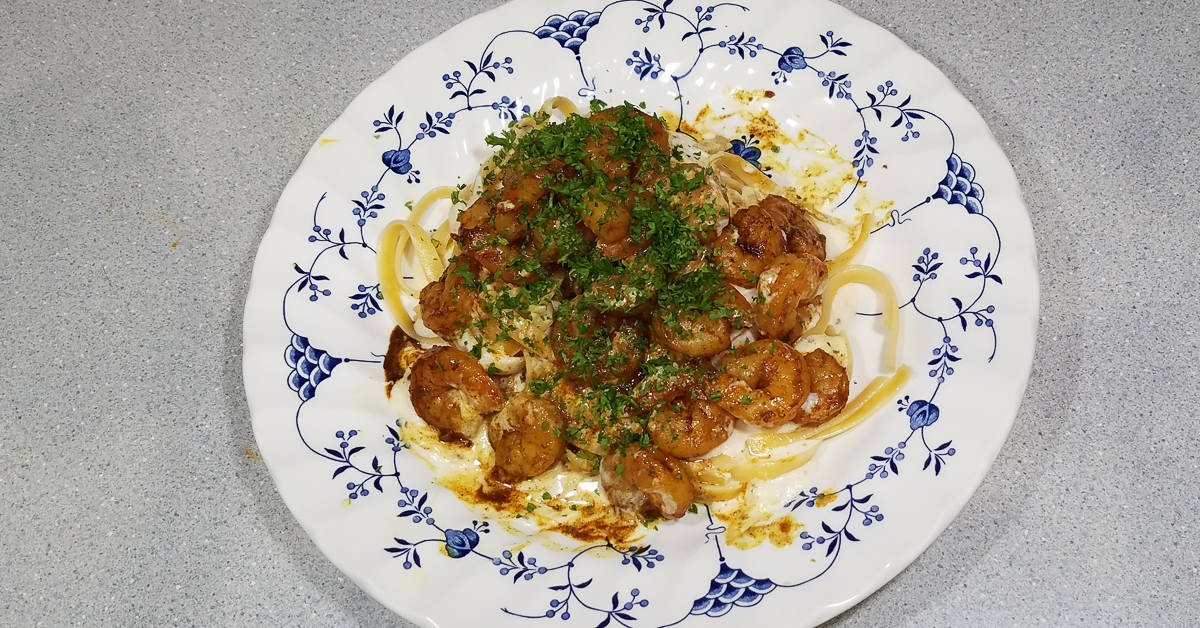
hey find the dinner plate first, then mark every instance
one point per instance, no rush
(956, 242)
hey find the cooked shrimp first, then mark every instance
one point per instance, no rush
(612, 347)
(526, 186)
(490, 234)
(607, 213)
(648, 482)
(548, 239)
(764, 384)
(526, 437)
(694, 334)
(493, 252)
(448, 305)
(803, 237)
(629, 292)
(792, 281)
(748, 246)
(691, 429)
(503, 218)
(586, 428)
(607, 210)
(664, 379)
(619, 250)
(700, 207)
(627, 349)
(601, 147)
(807, 315)
(657, 132)
(802, 234)
(830, 389)
(450, 391)
(743, 312)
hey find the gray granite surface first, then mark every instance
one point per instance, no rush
(126, 495)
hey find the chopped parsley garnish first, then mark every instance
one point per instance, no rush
(589, 235)
(543, 386)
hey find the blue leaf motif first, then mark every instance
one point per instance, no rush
(645, 64)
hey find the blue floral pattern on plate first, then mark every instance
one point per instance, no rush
(475, 87)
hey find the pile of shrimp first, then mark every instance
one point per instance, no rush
(665, 386)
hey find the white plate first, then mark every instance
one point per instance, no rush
(966, 259)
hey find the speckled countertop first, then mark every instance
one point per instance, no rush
(127, 494)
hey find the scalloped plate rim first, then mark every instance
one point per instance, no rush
(257, 406)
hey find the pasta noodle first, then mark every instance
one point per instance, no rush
(738, 172)
(430, 252)
(390, 285)
(860, 237)
(882, 286)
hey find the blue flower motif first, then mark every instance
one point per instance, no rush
(792, 59)
(570, 31)
(922, 414)
(398, 160)
(459, 543)
(745, 148)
